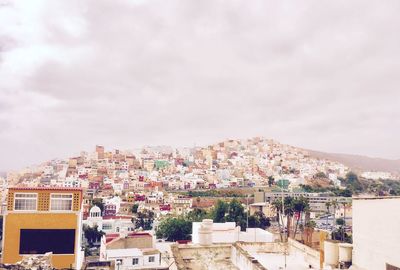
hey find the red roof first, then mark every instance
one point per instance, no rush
(139, 234)
(45, 188)
(112, 234)
(110, 237)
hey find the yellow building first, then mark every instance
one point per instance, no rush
(41, 220)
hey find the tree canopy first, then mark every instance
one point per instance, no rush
(135, 208)
(173, 229)
(144, 220)
(92, 234)
(259, 220)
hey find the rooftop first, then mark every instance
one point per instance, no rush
(45, 188)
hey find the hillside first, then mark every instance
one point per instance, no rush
(361, 163)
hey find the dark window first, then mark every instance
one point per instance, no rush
(35, 241)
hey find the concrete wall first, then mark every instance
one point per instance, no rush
(376, 232)
(222, 232)
(229, 233)
(256, 235)
(243, 260)
(311, 256)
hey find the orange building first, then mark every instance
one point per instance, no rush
(40, 220)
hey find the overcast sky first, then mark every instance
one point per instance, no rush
(324, 75)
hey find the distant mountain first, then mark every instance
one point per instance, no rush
(361, 163)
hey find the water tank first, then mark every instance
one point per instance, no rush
(205, 232)
(331, 253)
(208, 223)
(345, 252)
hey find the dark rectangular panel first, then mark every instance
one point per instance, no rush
(40, 241)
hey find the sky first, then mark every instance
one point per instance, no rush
(322, 75)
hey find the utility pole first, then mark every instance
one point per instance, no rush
(283, 223)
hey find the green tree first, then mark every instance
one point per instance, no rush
(259, 220)
(271, 180)
(352, 182)
(300, 206)
(289, 213)
(311, 224)
(277, 203)
(196, 215)
(328, 206)
(135, 208)
(320, 175)
(342, 235)
(219, 211)
(340, 221)
(344, 192)
(335, 204)
(235, 211)
(144, 220)
(92, 234)
(173, 229)
(236, 214)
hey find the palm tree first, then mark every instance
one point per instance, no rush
(278, 208)
(289, 213)
(345, 204)
(301, 205)
(335, 205)
(328, 205)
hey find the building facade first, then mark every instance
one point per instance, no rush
(41, 220)
(376, 235)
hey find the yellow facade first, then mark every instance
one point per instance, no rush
(41, 218)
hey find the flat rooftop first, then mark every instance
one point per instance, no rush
(276, 261)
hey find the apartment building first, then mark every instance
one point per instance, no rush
(317, 201)
(40, 220)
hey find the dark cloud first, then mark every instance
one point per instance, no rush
(322, 75)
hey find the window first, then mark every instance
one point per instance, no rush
(61, 202)
(106, 226)
(135, 261)
(152, 259)
(25, 201)
(40, 241)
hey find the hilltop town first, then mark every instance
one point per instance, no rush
(232, 163)
(153, 208)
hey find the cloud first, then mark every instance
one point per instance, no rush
(130, 73)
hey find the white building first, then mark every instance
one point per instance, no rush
(228, 232)
(377, 175)
(376, 234)
(131, 251)
(108, 224)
